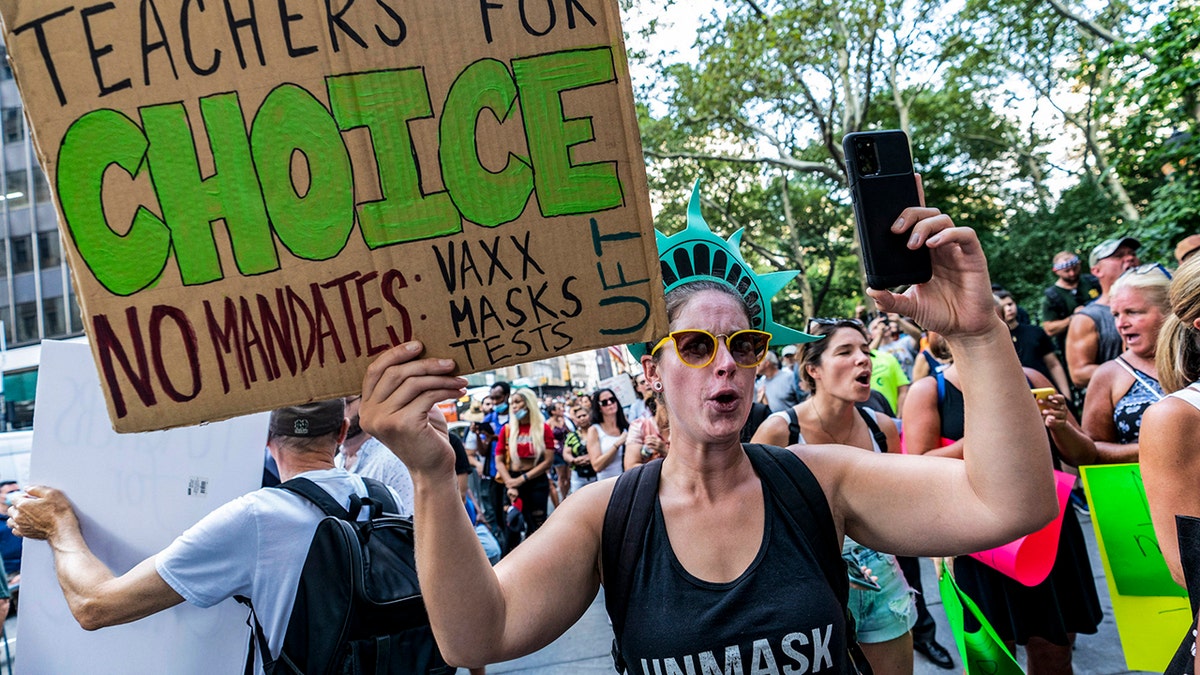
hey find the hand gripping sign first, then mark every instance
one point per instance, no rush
(258, 197)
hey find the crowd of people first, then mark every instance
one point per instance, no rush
(941, 373)
(870, 376)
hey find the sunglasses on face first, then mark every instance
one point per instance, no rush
(1149, 268)
(608, 401)
(697, 348)
(835, 323)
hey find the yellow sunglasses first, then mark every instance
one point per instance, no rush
(697, 348)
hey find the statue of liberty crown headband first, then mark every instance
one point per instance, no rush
(698, 253)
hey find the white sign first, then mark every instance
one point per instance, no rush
(133, 493)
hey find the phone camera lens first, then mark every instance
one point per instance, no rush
(868, 159)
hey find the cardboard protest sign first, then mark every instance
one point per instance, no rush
(257, 198)
(133, 494)
(1150, 626)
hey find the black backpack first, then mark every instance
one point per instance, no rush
(358, 606)
(789, 482)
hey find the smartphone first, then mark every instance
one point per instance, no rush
(882, 185)
(1043, 393)
(856, 576)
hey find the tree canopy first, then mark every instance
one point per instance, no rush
(1046, 125)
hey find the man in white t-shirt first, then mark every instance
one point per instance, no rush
(253, 546)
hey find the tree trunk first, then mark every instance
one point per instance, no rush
(806, 297)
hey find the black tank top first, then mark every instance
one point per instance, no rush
(951, 408)
(779, 616)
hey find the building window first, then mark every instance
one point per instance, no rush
(27, 322)
(22, 254)
(5, 69)
(3, 260)
(16, 190)
(14, 125)
(49, 249)
(54, 320)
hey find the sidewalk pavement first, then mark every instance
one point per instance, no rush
(585, 647)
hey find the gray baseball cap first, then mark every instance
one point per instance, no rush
(1109, 247)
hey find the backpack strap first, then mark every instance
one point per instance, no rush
(257, 638)
(941, 387)
(796, 490)
(380, 497)
(876, 432)
(322, 499)
(625, 522)
(793, 425)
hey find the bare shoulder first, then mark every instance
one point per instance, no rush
(1173, 417)
(1081, 323)
(829, 463)
(1107, 374)
(1036, 378)
(587, 505)
(923, 387)
(772, 431)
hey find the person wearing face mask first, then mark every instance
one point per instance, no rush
(524, 453)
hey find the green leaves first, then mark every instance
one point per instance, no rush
(1039, 123)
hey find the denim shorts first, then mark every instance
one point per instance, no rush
(884, 614)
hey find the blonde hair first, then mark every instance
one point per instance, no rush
(1178, 357)
(537, 423)
(1153, 285)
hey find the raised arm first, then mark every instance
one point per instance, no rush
(1082, 346)
(1004, 487)
(513, 611)
(1170, 465)
(95, 596)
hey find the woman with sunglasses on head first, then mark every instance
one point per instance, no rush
(606, 437)
(837, 370)
(724, 573)
(1122, 389)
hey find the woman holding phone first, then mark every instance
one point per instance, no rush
(722, 574)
